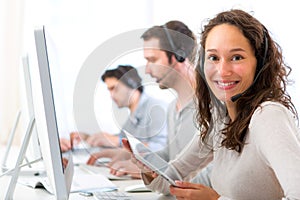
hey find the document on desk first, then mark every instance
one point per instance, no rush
(81, 182)
(88, 182)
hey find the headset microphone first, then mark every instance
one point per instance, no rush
(237, 96)
(260, 64)
(165, 75)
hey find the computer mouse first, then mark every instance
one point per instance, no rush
(137, 188)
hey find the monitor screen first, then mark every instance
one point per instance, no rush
(60, 177)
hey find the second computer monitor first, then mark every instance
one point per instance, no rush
(46, 121)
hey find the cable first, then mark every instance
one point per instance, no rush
(23, 165)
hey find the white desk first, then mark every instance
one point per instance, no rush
(25, 192)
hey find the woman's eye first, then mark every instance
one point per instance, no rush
(234, 58)
(212, 58)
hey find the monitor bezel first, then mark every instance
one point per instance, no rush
(46, 121)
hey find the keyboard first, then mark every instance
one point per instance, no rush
(114, 195)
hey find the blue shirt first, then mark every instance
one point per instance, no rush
(148, 122)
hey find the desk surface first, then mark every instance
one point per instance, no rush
(25, 192)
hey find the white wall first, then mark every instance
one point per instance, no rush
(78, 27)
(280, 17)
(11, 19)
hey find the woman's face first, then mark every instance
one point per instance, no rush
(230, 62)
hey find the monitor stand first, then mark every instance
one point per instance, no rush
(12, 134)
(10, 140)
(13, 181)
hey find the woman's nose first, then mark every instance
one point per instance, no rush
(224, 68)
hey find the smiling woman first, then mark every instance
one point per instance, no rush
(230, 62)
(84, 25)
(235, 136)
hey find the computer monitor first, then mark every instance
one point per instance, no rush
(60, 177)
(33, 151)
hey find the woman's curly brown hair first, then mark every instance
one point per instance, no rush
(270, 84)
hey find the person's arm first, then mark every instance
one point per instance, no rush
(144, 170)
(117, 154)
(103, 139)
(75, 138)
(164, 153)
(193, 158)
(65, 144)
(203, 177)
(186, 190)
(125, 167)
(278, 140)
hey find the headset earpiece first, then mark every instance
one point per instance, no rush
(261, 60)
(130, 82)
(179, 54)
(259, 69)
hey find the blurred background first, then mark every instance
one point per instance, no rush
(78, 27)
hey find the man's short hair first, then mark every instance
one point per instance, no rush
(127, 75)
(186, 42)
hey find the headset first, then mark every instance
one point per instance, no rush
(179, 54)
(127, 79)
(260, 67)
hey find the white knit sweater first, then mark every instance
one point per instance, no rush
(267, 168)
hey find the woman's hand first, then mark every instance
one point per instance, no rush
(192, 191)
(76, 138)
(144, 169)
(65, 144)
(125, 167)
